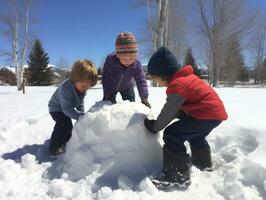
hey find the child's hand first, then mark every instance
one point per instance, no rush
(181, 115)
(111, 98)
(81, 116)
(149, 125)
(145, 102)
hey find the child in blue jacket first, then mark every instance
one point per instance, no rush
(67, 103)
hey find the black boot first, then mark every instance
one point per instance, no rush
(176, 171)
(201, 158)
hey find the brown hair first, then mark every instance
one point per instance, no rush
(163, 78)
(84, 70)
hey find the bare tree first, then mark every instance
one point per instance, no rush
(25, 46)
(177, 29)
(233, 62)
(16, 22)
(63, 63)
(220, 20)
(165, 25)
(152, 13)
(260, 50)
(165, 22)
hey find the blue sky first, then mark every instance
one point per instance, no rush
(75, 29)
(84, 28)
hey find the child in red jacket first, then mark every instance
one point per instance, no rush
(199, 110)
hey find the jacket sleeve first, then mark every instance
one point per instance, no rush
(141, 82)
(169, 112)
(107, 77)
(67, 104)
(81, 106)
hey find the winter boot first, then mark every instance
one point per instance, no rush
(176, 171)
(201, 158)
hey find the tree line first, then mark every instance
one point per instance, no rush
(224, 31)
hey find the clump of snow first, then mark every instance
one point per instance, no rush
(148, 186)
(22, 181)
(111, 144)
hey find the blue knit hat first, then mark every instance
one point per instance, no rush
(163, 63)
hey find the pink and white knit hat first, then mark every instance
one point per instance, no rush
(126, 43)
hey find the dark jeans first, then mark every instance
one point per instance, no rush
(128, 94)
(62, 130)
(188, 129)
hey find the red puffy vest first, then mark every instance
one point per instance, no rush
(202, 102)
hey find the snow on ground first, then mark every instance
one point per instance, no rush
(111, 154)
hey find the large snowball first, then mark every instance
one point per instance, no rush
(111, 145)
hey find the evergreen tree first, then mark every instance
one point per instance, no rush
(264, 71)
(243, 75)
(190, 60)
(99, 71)
(233, 63)
(38, 72)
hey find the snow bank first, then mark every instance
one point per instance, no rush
(110, 146)
(98, 162)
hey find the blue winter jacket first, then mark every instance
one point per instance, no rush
(68, 100)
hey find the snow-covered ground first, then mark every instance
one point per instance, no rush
(111, 155)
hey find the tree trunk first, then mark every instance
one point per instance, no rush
(162, 9)
(26, 40)
(166, 24)
(151, 23)
(15, 44)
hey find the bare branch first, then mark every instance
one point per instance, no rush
(16, 21)
(223, 20)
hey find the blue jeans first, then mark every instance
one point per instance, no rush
(188, 129)
(62, 130)
(128, 94)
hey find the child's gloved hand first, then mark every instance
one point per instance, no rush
(149, 125)
(181, 115)
(145, 102)
(81, 116)
(111, 98)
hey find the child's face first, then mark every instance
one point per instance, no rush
(160, 81)
(82, 86)
(127, 59)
